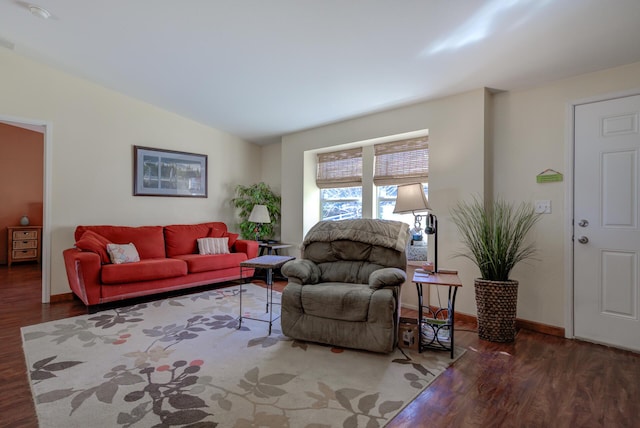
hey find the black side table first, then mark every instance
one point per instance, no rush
(272, 247)
(263, 262)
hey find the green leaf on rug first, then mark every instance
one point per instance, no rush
(43, 368)
(345, 395)
(186, 401)
(368, 402)
(77, 401)
(54, 395)
(277, 378)
(389, 406)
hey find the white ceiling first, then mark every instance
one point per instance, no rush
(263, 68)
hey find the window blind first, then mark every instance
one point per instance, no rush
(340, 169)
(401, 162)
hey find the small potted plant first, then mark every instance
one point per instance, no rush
(256, 194)
(494, 235)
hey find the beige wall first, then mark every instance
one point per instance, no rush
(456, 127)
(93, 131)
(271, 166)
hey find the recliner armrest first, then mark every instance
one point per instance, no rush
(301, 271)
(387, 277)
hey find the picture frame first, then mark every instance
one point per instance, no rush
(158, 172)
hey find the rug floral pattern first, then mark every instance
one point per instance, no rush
(183, 362)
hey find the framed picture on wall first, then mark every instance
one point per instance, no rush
(158, 172)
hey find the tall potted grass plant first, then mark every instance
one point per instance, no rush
(495, 239)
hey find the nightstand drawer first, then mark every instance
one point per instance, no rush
(25, 254)
(24, 244)
(21, 245)
(25, 234)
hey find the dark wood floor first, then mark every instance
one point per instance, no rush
(537, 381)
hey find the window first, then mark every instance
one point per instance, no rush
(339, 176)
(386, 196)
(341, 203)
(399, 162)
(386, 202)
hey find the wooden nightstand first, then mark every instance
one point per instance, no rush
(24, 244)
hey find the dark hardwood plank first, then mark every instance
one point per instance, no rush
(20, 295)
(538, 381)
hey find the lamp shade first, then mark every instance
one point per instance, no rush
(259, 214)
(411, 198)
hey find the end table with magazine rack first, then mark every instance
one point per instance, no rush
(269, 263)
(436, 322)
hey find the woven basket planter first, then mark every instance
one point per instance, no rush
(496, 302)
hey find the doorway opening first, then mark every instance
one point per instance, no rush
(44, 128)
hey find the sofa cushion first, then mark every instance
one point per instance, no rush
(144, 270)
(123, 253)
(149, 240)
(336, 300)
(91, 241)
(182, 238)
(233, 237)
(217, 225)
(213, 245)
(217, 232)
(204, 263)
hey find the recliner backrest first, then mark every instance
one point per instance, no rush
(352, 261)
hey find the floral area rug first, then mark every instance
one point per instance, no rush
(182, 361)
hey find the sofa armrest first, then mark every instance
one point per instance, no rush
(301, 271)
(250, 248)
(83, 272)
(387, 277)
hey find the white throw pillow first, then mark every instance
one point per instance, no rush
(123, 253)
(213, 245)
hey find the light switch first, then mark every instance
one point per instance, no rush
(543, 207)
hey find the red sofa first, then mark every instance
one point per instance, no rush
(169, 260)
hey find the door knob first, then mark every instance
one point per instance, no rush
(583, 239)
(583, 223)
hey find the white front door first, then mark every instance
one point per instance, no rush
(606, 222)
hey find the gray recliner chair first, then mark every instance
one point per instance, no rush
(345, 290)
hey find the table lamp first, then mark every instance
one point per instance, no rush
(259, 215)
(411, 199)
